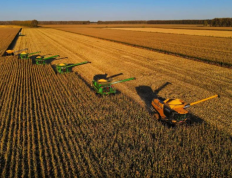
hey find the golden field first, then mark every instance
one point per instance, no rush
(54, 125)
(227, 34)
(152, 69)
(209, 49)
(163, 26)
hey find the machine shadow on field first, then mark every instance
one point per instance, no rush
(13, 43)
(147, 95)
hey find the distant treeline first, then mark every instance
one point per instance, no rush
(28, 23)
(156, 22)
(178, 21)
(221, 22)
(217, 22)
(124, 22)
(62, 22)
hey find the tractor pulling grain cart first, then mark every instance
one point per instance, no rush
(105, 87)
(65, 68)
(40, 60)
(173, 111)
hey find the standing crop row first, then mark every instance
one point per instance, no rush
(54, 125)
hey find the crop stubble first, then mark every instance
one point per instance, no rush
(162, 26)
(54, 125)
(212, 33)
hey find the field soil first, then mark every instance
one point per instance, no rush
(7, 35)
(205, 48)
(188, 80)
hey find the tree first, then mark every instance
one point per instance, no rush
(34, 23)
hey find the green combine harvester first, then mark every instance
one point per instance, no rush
(26, 55)
(65, 68)
(105, 87)
(40, 60)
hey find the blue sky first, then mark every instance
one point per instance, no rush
(95, 10)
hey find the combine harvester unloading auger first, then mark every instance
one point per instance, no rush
(40, 60)
(65, 68)
(173, 111)
(105, 86)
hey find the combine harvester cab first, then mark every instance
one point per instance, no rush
(65, 68)
(173, 111)
(26, 55)
(40, 60)
(105, 87)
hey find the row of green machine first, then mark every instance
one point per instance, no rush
(102, 86)
(22, 54)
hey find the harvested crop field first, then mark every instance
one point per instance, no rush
(6, 37)
(227, 34)
(190, 80)
(55, 126)
(210, 49)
